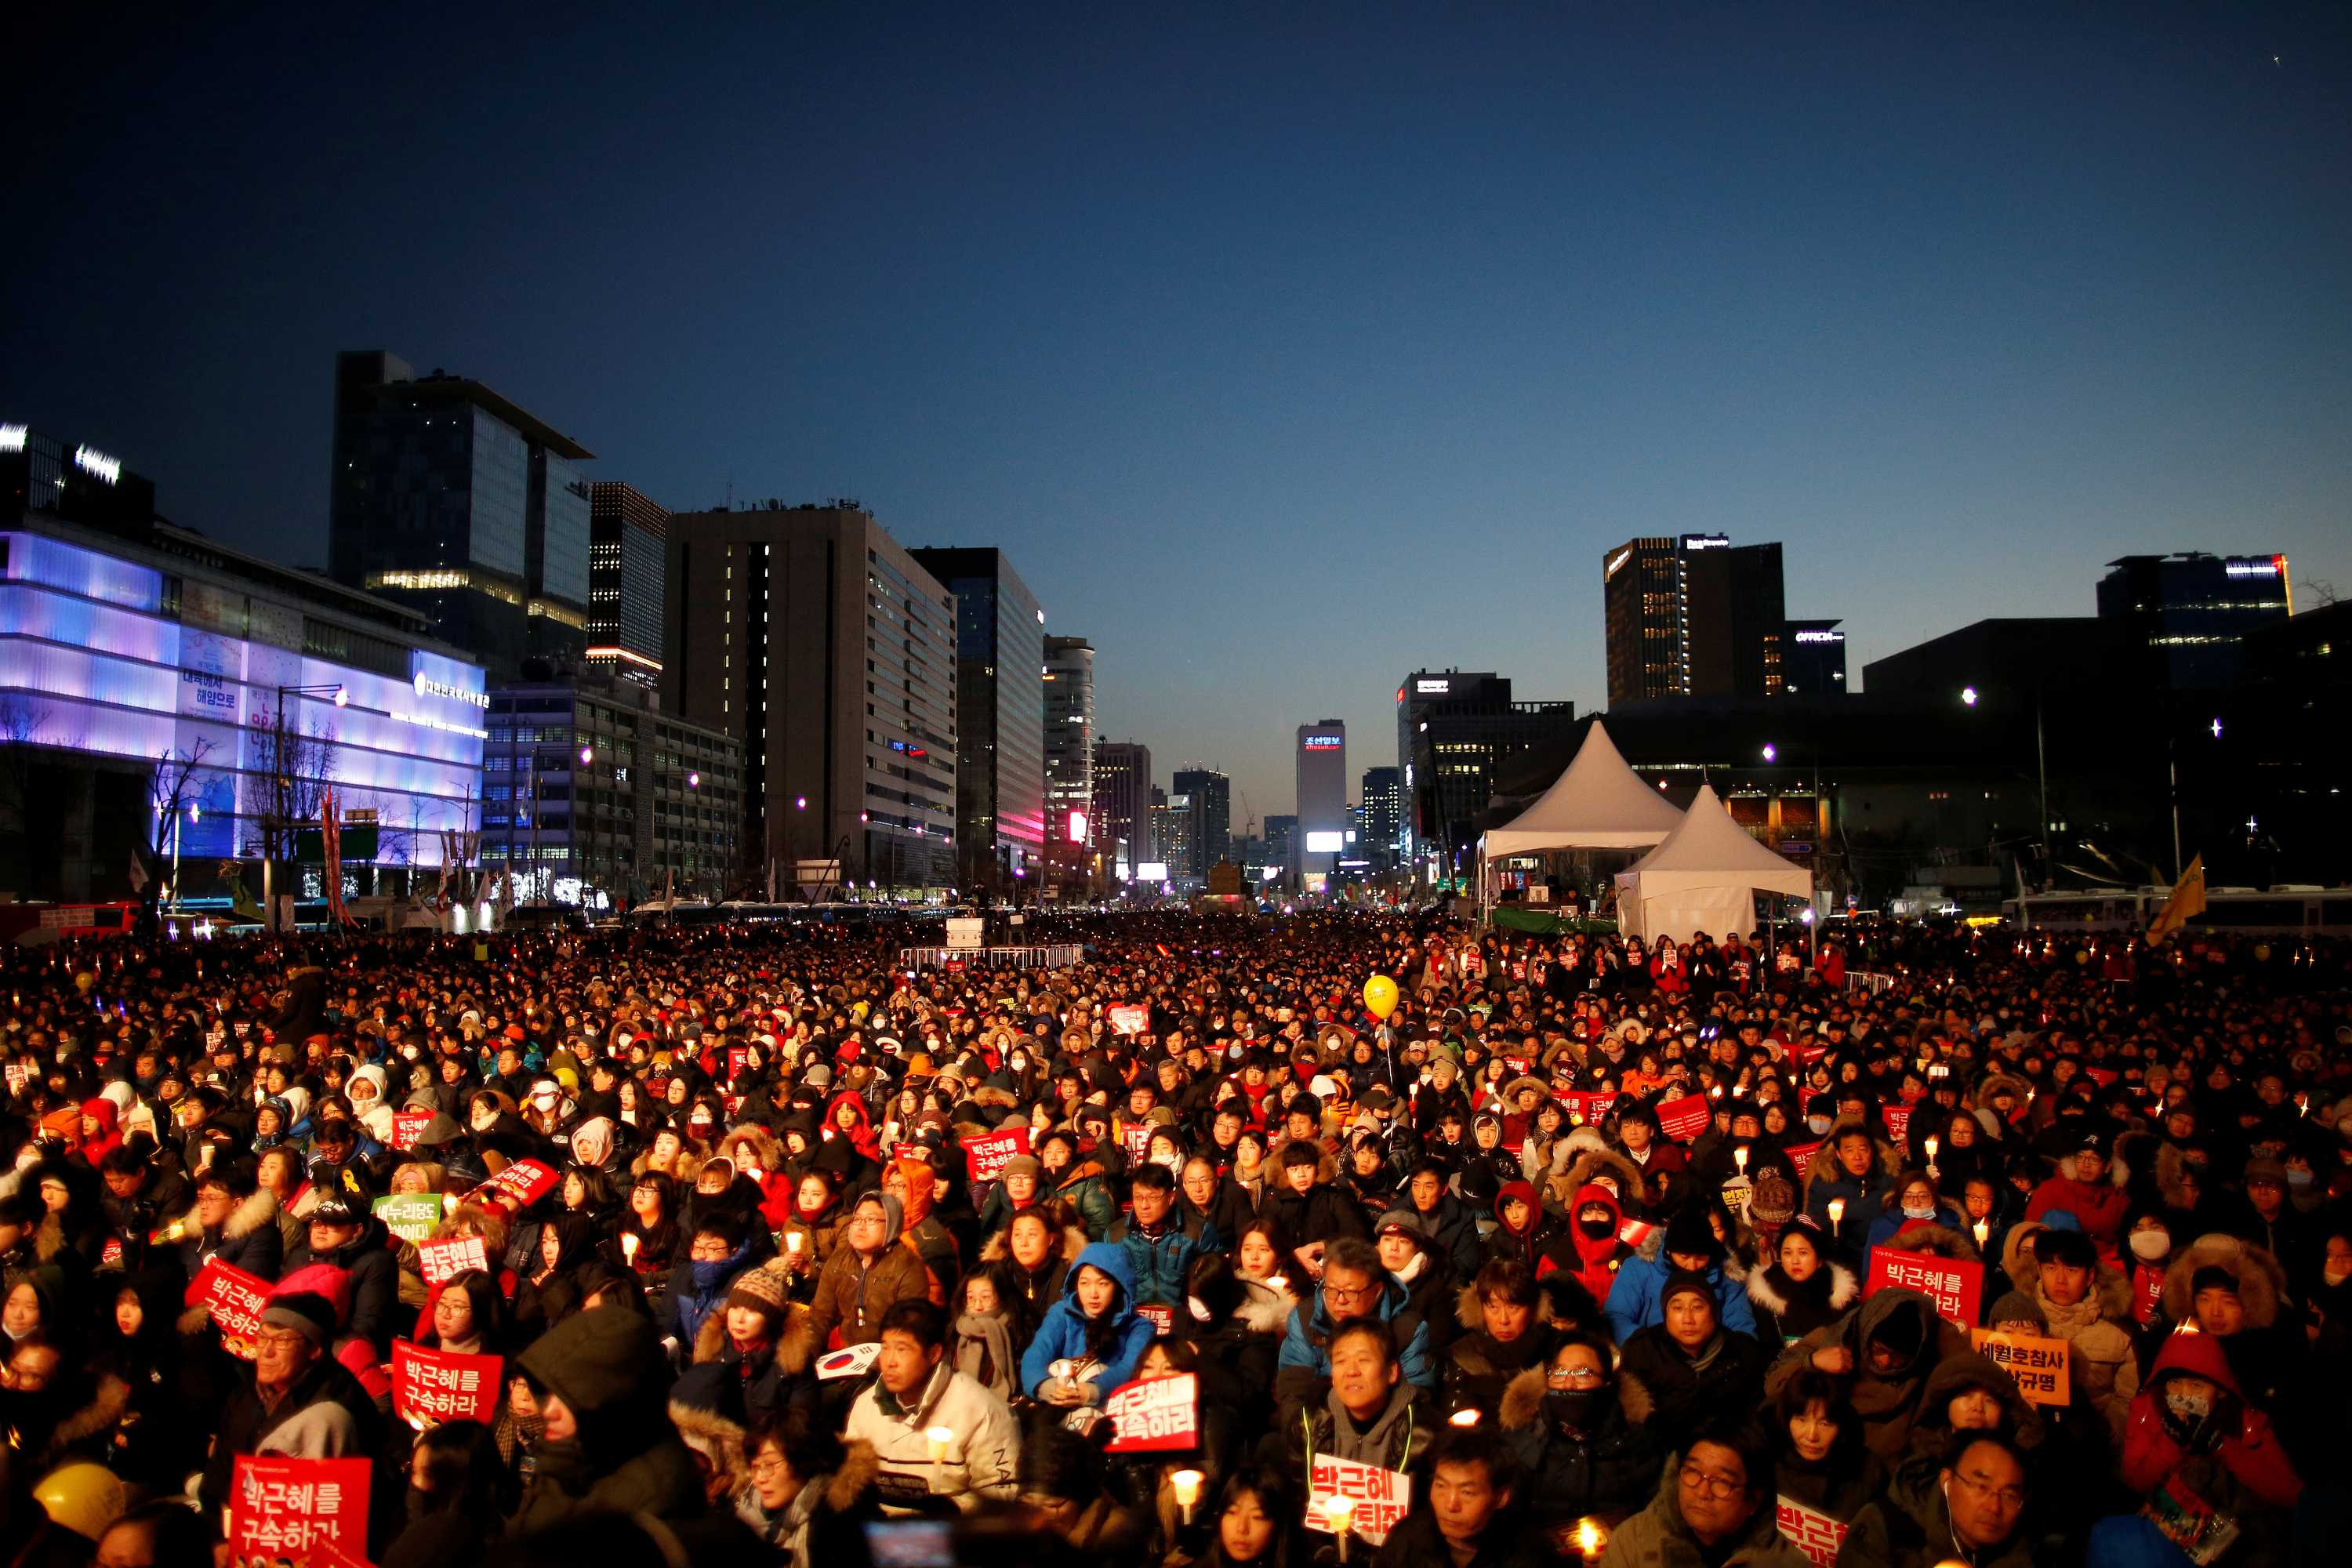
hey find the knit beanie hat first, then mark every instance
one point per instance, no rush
(1774, 1201)
(306, 1312)
(1404, 1222)
(764, 1288)
(1682, 1281)
(1689, 1234)
(1022, 1165)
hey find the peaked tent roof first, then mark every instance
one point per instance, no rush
(1709, 847)
(1596, 804)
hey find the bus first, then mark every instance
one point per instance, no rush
(2294, 910)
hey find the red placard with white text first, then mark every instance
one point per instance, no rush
(985, 1154)
(1685, 1118)
(1155, 1414)
(234, 1299)
(1129, 1020)
(1382, 1497)
(430, 1386)
(1955, 1285)
(1811, 1531)
(311, 1512)
(441, 1261)
(407, 1126)
(1802, 1157)
(1898, 1118)
(522, 1183)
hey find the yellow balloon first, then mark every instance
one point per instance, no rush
(1380, 995)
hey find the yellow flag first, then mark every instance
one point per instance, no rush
(2188, 899)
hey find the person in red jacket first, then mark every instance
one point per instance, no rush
(1589, 1247)
(2207, 1459)
(2081, 1187)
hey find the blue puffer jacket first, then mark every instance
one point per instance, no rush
(1063, 1334)
(1161, 1266)
(1306, 1354)
(1634, 1300)
(700, 1290)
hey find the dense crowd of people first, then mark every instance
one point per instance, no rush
(1936, 1245)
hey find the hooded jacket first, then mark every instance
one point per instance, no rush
(374, 1278)
(1305, 1356)
(1826, 1178)
(1657, 1537)
(606, 1364)
(1787, 1312)
(1633, 1302)
(852, 1294)
(1605, 1464)
(1911, 1527)
(2233, 1455)
(1062, 1335)
(249, 1239)
(1888, 1404)
(2105, 1360)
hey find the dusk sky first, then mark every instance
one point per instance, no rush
(1285, 348)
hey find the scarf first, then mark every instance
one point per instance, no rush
(984, 1352)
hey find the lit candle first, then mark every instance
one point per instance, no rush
(1188, 1491)
(1591, 1539)
(1983, 1229)
(628, 1248)
(940, 1437)
(1739, 1158)
(1932, 1146)
(1339, 1512)
(1464, 1418)
(1837, 1212)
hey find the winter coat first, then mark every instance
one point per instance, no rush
(698, 1288)
(2231, 1461)
(606, 1365)
(1911, 1527)
(250, 1240)
(1161, 1266)
(374, 1281)
(1567, 1474)
(1635, 1303)
(825, 1522)
(1451, 1238)
(2105, 1361)
(1865, 1196)
(1477, 1365)
(1041, 1287)
(982, 1460)
(1397, 1439)
(1418, 1543)
(1888, 1406)
(325, 1415)
(852, 1295)
(1687, 1392)
(1787, 1312)
(1887, 1226)
(1657, 1537)
(1085, 1188)
(1063, 1334)
(2100, 1205)
(1305, 1355)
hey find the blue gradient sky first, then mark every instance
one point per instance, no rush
(1287, 348)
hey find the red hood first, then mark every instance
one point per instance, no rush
(1591, 1249)
(2200, 1355)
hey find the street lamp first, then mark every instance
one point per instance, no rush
(2040, 775)
(1968, 696)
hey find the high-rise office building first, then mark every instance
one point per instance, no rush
(1382, 800)
(1176, 827)
(626, 535)
(2191, 611)
(1000, 715)
(1281, 844)
(1321, 763)
(813, 639)
(449, 498)
(1693, 616)
(1458, 730)
(1812, 660)
(592, 794)
(1069, 678)
(1211, 797)
(1123, 822)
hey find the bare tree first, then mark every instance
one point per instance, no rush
(172, 790)
(299, 765)
(2318, 592)
(21, 723)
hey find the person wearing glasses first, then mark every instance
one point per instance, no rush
(1354, 1285)
(1577, 1430)
(1969, 1510)
(1714, 1506)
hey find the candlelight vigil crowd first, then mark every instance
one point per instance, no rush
(1314, 1239)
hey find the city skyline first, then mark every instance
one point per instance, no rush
(2085, 299)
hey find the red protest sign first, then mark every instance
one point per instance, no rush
(311, 1512)
(1155, 1414)
(1685, 1118)
(442, 1261)
(430, 1386)
(985, 1154)
(1585, 1109)
(407, 1126)
(735, 1058)
(1955, 1285)
(1162, 1319)
(1135, 1139)
(234, 1299)
(1129, 1020)
(1379, 1497)
(1811, 1531)
(1898, 1118)
(1802, 1158)
(522, 1183)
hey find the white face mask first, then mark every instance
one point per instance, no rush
(1818, 1125)
(1919, 1211)
(2150, 1244)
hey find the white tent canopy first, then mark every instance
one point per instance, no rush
(1597, 804)
(1703, 878)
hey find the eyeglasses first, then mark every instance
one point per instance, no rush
(1696, 1479)
(766, 1466)
(1572, 1374)
(1339, 1292)
(2007, 1496)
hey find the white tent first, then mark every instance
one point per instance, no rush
(1597, 804)
(1703, 878)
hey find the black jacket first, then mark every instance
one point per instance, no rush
(374, 1278)
(1569, 1472)
(1688, 1394)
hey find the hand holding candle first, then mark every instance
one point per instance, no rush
(1340, 1512)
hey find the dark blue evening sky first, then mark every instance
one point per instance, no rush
(1287, 348)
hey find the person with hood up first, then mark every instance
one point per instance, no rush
(720, 1250)
(1694, 1369)
(1579, 1429)
(2233, 1290)
(1092, 1339)
(871, 1270)
(1354, 1285)
(357, 1243)
(1889, 1346)
(1687, 1242)
(1522, 1230)
(1803, 1287)
(2080, 1298)
(2201, 1452)
(916, 1185)
(607, 1444)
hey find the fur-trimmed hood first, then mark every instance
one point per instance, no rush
(1935, 1240)
(1845, 1288)
(2260, 1281)
(1264, 1310)
(1824, 1166)
(1654, 1250)
(1522, 1401)
(795, 1344)
(1599, 1160)
(860, 1468)
(105, 1409)
(998, 1246)
(716, 1439)
(251, 1214)
(1473, 1317)
(2024, 1271)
